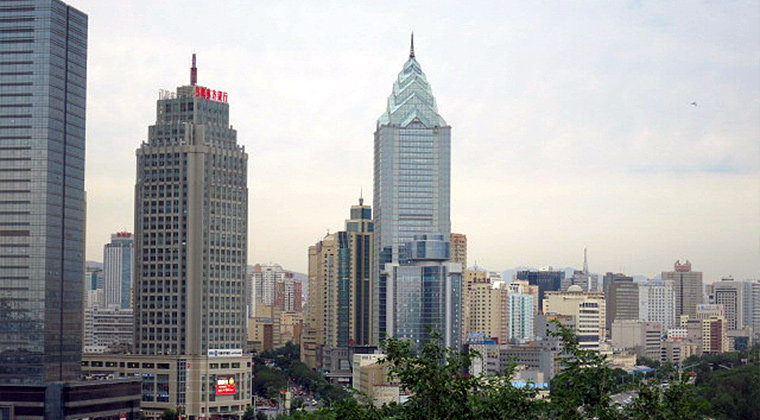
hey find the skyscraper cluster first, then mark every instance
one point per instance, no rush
(170, 318)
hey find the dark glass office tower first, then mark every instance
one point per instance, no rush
(43, 63)
(191, 228)
(412, 179)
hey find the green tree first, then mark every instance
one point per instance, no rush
(582, 389)
(169, 414)
(249, 414)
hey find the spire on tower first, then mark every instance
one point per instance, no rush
(193, 73)
(411, 50)
(585, 262)
(361, 196)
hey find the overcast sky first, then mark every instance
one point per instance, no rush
(572, 123)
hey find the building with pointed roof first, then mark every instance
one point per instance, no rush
(412, 177)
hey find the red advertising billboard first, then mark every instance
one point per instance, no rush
(225, 384)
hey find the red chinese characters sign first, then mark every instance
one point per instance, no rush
(214, 95)
(225, 384)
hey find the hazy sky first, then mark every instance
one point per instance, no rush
(572, 123)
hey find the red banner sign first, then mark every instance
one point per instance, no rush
(214, 95)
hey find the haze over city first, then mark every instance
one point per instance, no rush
(631, 129)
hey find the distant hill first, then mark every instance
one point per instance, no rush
(95, 264)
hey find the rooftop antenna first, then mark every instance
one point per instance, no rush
(585, 262)
(361, 196)
(411, 50)
(193, 73)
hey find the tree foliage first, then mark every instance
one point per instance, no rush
(586, 388)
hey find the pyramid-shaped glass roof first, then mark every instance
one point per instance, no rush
(412, 99)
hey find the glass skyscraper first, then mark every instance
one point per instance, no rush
(412, 176)
(43, 66)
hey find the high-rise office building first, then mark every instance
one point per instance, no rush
(339, 308)
(622, 302)
(43, 69)
(191, 241)
(657, 303)
(729, 293)
(412, 177)
(117, 270)
(687, 286)
(545, 278)
(425, 292)
(609, 277)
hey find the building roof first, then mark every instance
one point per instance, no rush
(412, 99)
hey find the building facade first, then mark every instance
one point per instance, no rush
(191, 241)
(43, 65)
(645, 338)
(339, 310)
(412, 178)
(425, 293)
(109, 329)
(751, 306)
(459, 249)
(657, 303)
(545, 278)
(622, 301)
(588, 311)
(729, 293)
(687, 286)
(117, 270)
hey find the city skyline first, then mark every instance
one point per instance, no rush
(561, 133)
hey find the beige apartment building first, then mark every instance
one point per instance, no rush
(484, 309)
(271, 328)
(588, 310)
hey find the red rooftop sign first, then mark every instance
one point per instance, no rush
(214, 95)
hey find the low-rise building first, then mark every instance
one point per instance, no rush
(218, 384)
(375, 383)
(642, 337)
